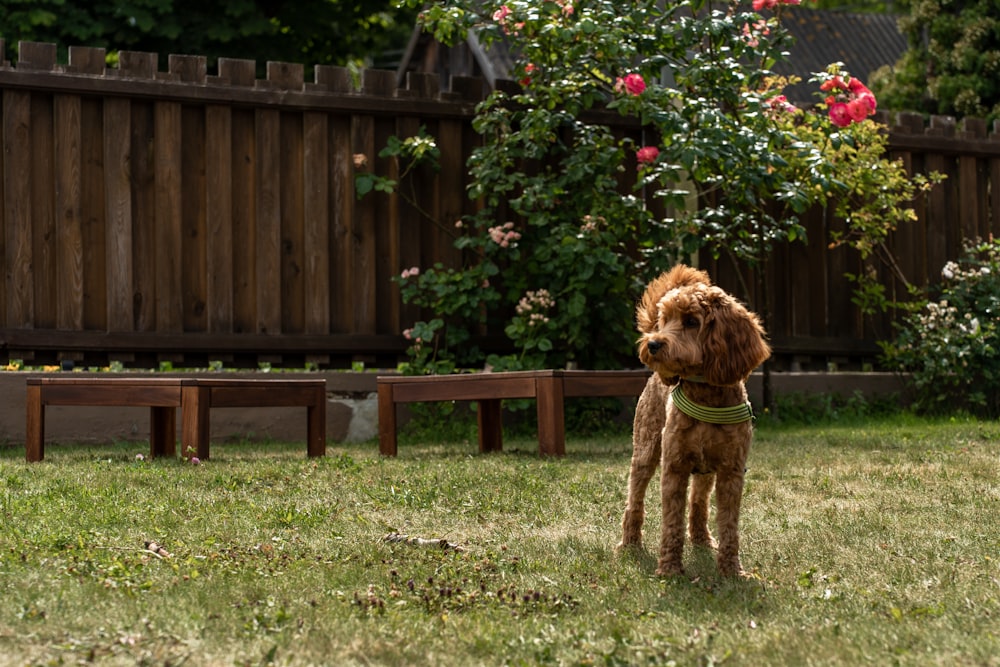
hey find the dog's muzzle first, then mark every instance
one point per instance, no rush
(653, 346)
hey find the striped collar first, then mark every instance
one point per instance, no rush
(734, 414)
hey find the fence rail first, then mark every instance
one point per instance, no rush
(152, 216)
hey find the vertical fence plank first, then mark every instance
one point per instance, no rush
(95, 298)
(193, 244)
(118, 195)
(779, 295)
(361, 238)
(342, 203)
(817, 304)
(968, 202)
(17, 208)
(316, 213)
(219, 216)
(382, 238)
(69, 232)
(244, 222)
(268, 230)
(451, 187)
(242, 73)
(415, 209)
(169, 220)
(937, 218)
(44, 251)
(144, 214)
(292, 225)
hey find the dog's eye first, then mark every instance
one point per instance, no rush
(690, 322)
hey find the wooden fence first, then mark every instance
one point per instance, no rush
(152, 216)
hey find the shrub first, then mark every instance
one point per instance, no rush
(949, 344)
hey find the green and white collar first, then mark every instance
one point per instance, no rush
(734, 414)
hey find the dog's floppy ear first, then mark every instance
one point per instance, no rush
(734, 340)
(647, 312)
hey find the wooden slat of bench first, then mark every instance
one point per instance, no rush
(66, 380)
(464, 388)
(117, 395)
(604, 383)
(275, 383)
(282, 395)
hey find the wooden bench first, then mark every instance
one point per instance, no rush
(194, 396)
(547, 387)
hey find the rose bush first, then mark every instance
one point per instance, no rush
(723, 161)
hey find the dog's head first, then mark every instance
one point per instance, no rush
(690, 327)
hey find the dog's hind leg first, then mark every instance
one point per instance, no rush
(728, 495)
(701, 490)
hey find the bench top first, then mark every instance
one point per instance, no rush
(173, 381)
(512, 376)
(512, 384)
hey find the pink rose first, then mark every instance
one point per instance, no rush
(647, 154)
(632, 84)
(856, 87)
(869, 100)
(839, 114)
(858, 110)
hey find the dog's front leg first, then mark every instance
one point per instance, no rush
(647, 439)
(645, 458)
(728, 496)
(674, 485)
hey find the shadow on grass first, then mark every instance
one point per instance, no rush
(700, 587)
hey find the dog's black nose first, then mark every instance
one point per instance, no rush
(653, 346)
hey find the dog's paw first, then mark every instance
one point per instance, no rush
(630, 545)
(670, 571)
(704, 540)
(732, 569)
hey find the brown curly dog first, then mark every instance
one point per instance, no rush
(693, 416)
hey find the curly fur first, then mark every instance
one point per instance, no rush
(692, 329)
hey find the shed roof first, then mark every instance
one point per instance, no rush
(863, 42)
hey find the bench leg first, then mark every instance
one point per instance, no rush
(195, 425)
(386, 421)
(490, 425)
(35, 425)
(162, 431)
(316, 418)
(551, 417)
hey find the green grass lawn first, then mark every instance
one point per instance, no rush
(873, 543)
